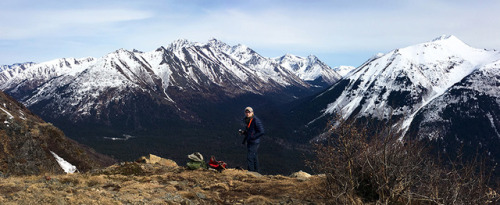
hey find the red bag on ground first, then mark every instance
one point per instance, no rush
(219, 165)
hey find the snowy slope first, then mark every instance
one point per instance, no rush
(181, 71)
(27, 142)
(343, 70)
(402, 81)
(466, 118)
(309, 69)
(473, 103)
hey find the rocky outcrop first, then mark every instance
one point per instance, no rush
(153, 159)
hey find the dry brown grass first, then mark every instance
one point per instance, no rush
(157, 184)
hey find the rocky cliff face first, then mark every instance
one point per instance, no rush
(27, 144)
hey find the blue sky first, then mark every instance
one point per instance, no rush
(339, 32)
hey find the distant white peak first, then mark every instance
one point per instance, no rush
(449, 40)
(24, 64)
(160, 49)
(17, 65)
(290, 57)
(343, 70)
(444, 37)
(239, 50)
(61, 61)
(119, 52)
(312, 58)
(180, 43)
(241, 47)
(87, 59)
(122, 50)
(215, 42)
(56, 61)
(376, 56)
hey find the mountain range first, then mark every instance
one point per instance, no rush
(184, 71)
(189, 96)
(442, 90)
(183, 92)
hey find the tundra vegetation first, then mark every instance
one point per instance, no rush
(368, 163)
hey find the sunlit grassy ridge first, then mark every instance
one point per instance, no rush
(159, 183)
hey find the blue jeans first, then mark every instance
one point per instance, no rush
(252, 160)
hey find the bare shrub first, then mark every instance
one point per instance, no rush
(370, 163)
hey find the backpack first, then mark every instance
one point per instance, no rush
(218, 165)
(196, 161)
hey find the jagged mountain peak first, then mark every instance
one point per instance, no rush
(400, 82)
(137, 51)
(217, 43)
(440, 49)
(118, 52)
(343, 70)
(309, 68)
(182, 66)
(288, 57)
(446, 37)
(447, 56)
(312, 57)
(19, 65)
(212, 43)
(450, 41)
(179, 44)
(240, 48)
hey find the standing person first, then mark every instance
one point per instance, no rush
(253, 131)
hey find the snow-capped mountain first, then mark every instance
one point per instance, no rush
(402, 81)
(399, 84)
(442, 91)
(311, 68)
(184, 70)
(343, 70)
(183, 92)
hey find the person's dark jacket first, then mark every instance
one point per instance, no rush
(254, 131)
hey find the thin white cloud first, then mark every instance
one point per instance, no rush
(341, 29)
(33, 23)
(269, 27)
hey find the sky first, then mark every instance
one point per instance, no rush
(338, 32)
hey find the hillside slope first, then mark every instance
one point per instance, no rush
(27, 144)
(397, 85)
(139, 183)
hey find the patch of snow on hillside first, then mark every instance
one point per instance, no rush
(8, 113)
(66, 166)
